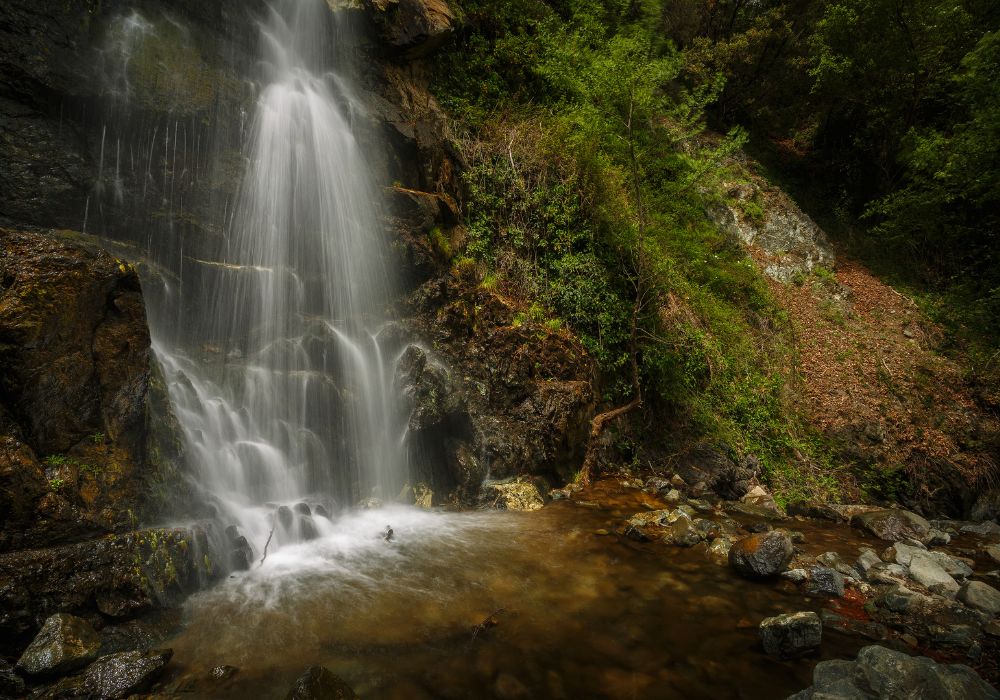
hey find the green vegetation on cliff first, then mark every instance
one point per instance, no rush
(589, 177)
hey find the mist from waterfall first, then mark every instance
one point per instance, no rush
(273, 351)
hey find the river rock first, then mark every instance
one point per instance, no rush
(318, 683)
(901, 599)
(993, 552)
(824, 581)
(684, 533)
(882, 673)
(980, 596)
(866, 560)
(929, 574)
(763, 555)
(814, 509)
(113, 676)
(65, 643)
(792, 635)
(892, 525)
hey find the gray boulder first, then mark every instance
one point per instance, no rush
(763, 555)
(891, 675)
(65, 643)
(792, 635)
(980, 596)
(928, 573)
(892, 525)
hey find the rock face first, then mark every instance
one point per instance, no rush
(65, 643)
(416, 27)
(763, 217)
(118, 576)
(317, 683)
(892, 525)
(792, 635)
(763, 555)
(76, 399)
(711, 467)
(881, 673)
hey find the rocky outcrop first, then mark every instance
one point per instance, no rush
(882, 673)
(112, 677)
(792, 635)
(414, 27)
(65, 643)
(114, 577)
(766, 220)
(75, 396)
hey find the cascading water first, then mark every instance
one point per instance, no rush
(272, 351)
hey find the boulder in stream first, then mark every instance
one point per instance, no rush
(763, 555)
(792, 635)
(318, 683)
(65, 643)
(892, 525)
(980, 596)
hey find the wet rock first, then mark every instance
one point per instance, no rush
(900, 599)
(511, 494)
(719, 548)
(285, 517)
(937, 538)
(113, 676)
(65, 643)
(222, 673)
(318, 683)
(760, 526)
(959, 636)
(241, 555)
(321, 512)
(833, 561)
(11, 684)
(150, 569)
(302, 509)
(683, 533)
(905, 554)
(892, 525)
(763, 555)
(813, 509)
(792, 635)
(882, 673)
(824, 581)
(307, 528)
(673, 496)
(862, 628)
(980, 596)
(984, 528)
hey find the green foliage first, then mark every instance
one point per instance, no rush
(97, 438)
(55, 484)
(589, 173)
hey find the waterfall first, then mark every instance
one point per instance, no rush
(273, 351)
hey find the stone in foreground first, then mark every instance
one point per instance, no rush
(892, 525)
(763, 555)
(65, 643)
(980, 596)
(791, 636)
(318, 683)
(882, 673)
(113, 677)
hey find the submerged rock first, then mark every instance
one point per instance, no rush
(65, 643)
(882, 673)
(222, 673)
(317, 683)
(792, 635)
(892, 525)
(763, 555)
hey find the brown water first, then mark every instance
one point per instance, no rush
(582, 614)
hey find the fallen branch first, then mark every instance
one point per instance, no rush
(266, 545)
(490, 621)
